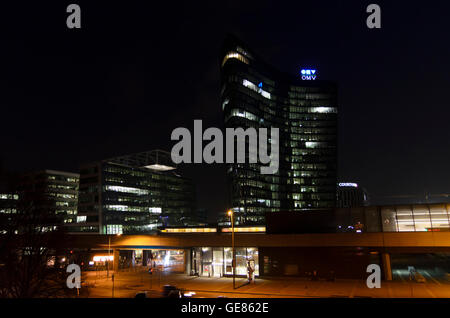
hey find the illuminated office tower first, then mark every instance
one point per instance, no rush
(133, 194)
(304, 108)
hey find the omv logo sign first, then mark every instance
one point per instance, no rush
(308, 74)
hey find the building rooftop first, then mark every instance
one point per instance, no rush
(158, 160)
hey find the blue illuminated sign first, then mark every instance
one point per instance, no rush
(308, 74)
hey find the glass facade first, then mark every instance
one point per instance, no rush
(217, 261)
(419, 218)
(120, 199)
(396, 218)
(255, 95)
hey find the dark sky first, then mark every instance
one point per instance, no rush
(135, 71)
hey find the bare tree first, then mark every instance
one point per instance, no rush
(29, 253)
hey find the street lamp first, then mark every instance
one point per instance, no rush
(109, 257)
(109, 254)
(231, 215)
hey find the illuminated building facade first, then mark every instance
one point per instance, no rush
(395, 218)
(304, 108)
(133, 194)
(54, 193)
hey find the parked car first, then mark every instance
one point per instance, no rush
(141, 295)
(170, 291)
(447, 276)
(419, 278)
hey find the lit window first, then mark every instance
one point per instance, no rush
(114, 229)
(155, 210)
(81, 218)
(323, 110)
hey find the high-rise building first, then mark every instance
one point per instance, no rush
(133, 194)
(50, 192)
(350, 195)
(304, 108)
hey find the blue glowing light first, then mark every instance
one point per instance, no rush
(260, 84)
(308, 74)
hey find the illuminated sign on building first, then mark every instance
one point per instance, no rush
(308, 74)
(348, 184)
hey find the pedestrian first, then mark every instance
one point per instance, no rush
(250, 272)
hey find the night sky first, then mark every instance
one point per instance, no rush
(136, 71)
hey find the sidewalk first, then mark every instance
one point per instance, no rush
(127, 284)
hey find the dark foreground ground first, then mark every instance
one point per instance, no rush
(128, 283)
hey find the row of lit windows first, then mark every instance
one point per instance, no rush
(298, 137)
(320, 110)
(127, 190)
(127, 208)
(313, 124)
(114, 229)
(305, 131)
(149, 176)
(309, 158)
(308, 117)
(62, 178)
(255, 88)
(63, 195)
(62, 187)
(242, 113)
(8, 211)
(308, 166)
(9, 196)
(310, 95)
(234, 55)
(261, 202)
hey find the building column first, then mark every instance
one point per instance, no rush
(386, 259)
(144, 257)
(116, 253)
(187, 261)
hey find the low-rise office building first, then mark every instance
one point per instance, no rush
(52, 193)
(8, 209)
(133, 194)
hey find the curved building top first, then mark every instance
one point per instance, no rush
(236, 52)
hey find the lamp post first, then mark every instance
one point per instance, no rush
(233, 262)
(109, 254)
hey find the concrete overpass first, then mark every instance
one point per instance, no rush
(383, 244)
